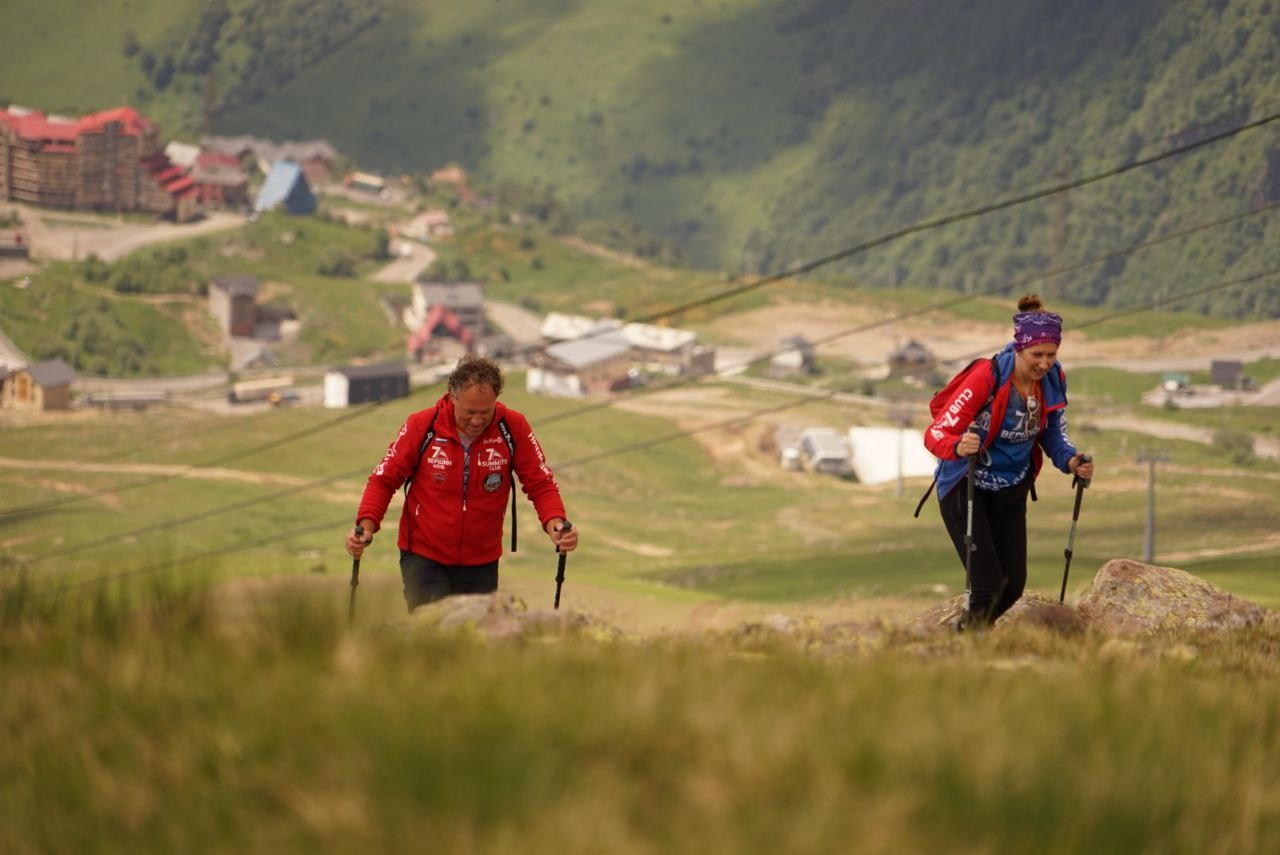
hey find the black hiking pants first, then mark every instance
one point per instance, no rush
(426, 581)
(998, 571)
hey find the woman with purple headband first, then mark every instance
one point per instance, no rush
(1016, 402)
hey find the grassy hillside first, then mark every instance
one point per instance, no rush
(141, 723)
(750, 135)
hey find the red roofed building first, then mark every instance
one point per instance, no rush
(100, 162)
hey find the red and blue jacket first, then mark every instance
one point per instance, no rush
(986, 389)
(457, 499)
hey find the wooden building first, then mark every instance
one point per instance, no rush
(40, 387)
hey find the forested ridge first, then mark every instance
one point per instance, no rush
(749, 136)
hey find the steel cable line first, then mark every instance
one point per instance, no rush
(807, 267)
(971, 213)
(830, 392)
(930, 308)
(943, 304)
(812, 396)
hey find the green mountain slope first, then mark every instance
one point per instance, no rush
(751, 134)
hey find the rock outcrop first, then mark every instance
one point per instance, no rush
(1131, 598)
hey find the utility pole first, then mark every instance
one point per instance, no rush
(901, 417)
(1149, 537)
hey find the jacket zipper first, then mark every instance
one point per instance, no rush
(466, 488)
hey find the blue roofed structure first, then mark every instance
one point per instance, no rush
(286, 186)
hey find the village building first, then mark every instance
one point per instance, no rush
(426, 226)
(220, 181)
(286, 188)
(557, 326)
(233, 303)
(40, 387)
(664, 350)
(825, 450)
(106, 161)
(455, 309)
(314, 157)
(795, 356)
(365, 182)
(911, 359)
(1227, 373)
(365, 384)
(667, 350)
(599, 361)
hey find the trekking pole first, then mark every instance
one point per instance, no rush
(355, 581)
(968, 526)
(560, 564)
(1080, 484)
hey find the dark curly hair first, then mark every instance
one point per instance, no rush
(476, 371)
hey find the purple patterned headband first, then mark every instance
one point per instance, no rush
(1032, 328)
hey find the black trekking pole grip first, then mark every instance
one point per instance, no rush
(1076, 479)
(560, 564)
(355, 581)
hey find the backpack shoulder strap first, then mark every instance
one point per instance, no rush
(422, 449)
(505, 430)
(995, 384)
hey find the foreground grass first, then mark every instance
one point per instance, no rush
(140, 718)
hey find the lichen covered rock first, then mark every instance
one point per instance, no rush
(1131, 598)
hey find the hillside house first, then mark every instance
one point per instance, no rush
(561, 327)
(108, 161)
(825, 450)
(912, 358)
(366, 182)
(427, 225)
(794, 356)
(220, 181)
(455, 309)
(365, 384)
(233, 303)
(597, 362)
(314, 157)
(1227, 373)
(286, 187)
(665, 350)
(40, 387)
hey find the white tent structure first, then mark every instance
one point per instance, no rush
(876, 452)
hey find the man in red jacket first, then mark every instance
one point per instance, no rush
(458, 457)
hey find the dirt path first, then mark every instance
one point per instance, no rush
(210, 473)
(72, 235)
(1262, 446)
(406, 268)
(763, 330)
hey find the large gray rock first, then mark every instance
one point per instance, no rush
(1131, 598)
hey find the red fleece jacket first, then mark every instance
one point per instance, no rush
(457, 501)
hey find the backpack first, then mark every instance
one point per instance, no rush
(511, 448)
(944, 396)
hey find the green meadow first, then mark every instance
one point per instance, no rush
(180, 672)
(147, 720)
(660, 512)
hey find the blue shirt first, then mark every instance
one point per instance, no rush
(1008, 459)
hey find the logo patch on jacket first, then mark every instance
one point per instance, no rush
(492, 482)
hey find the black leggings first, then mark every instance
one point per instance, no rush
(426, 580)
(998, 572)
